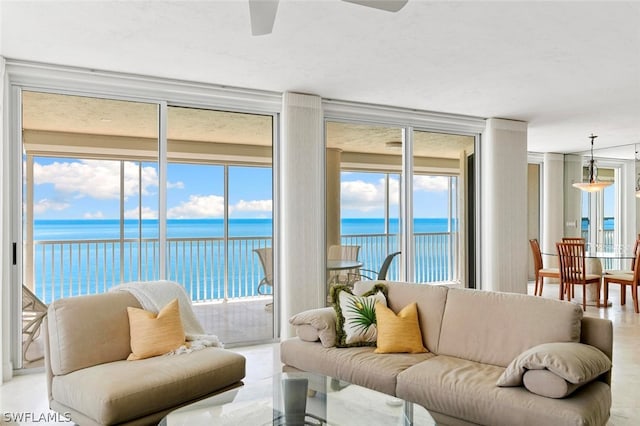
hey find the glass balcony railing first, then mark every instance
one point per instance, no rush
(208, 269)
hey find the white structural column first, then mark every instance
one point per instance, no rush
(553, 222)
(503, 214)
(302, 208)
(571, 197)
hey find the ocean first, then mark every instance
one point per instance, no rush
(100, 229)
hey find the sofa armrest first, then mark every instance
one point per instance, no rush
(598, 332)
(47, 360)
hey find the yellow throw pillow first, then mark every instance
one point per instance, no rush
(398, 333)
(155, 334)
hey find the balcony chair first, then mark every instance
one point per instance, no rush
(624, 280)
(540, 271)
(340, 252)
(34, 312)
(370, 274)
(573, 272)
(266, 260)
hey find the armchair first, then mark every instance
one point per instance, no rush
(87, 342)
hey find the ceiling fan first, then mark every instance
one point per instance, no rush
(263, 12)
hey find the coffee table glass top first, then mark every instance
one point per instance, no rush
(300, 399)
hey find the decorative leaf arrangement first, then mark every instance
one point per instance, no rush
(364, 314)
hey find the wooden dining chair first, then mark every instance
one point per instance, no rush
(574, 272)
(540, 271)
(624, 280)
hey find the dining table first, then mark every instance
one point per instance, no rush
(334, 265)
(593, 264)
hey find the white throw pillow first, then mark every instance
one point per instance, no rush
(356, 315)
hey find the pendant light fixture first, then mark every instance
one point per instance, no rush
(592, 185)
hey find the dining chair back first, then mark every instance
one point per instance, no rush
(631, 280)
(539, 270)
(573, 271)
(577, 240)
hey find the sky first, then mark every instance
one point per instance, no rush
(90, 189)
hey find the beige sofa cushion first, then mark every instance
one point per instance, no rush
(100, 322)
(430, 300)
(357, 365)
(494, 328)
(125, 390)
(466, 390)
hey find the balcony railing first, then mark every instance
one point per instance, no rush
(203, 265)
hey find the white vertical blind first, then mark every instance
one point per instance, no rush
(504, 206)
(302, 207)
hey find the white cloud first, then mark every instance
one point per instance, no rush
(366, 196)
(147, 213)
(95, 178)
(96, 215)
(253, 206)
(46, 205)
(430, 183)
(175, 185)
(198, 206)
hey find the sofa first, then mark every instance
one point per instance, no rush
(90, 380)
(473, 340)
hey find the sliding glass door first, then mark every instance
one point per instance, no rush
(91, 193)
(94, 214)
(430, 222)
(439, 165)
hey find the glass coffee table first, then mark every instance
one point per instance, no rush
(300, 399)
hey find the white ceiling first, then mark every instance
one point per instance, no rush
(567, 68)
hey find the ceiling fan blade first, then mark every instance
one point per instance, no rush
(263, 15)
(388, 5)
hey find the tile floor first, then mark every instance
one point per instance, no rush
(27, 392)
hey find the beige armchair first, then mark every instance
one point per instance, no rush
(87, 342)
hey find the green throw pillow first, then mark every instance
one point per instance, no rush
(356, 315)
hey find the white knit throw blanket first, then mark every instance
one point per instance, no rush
(155, 295)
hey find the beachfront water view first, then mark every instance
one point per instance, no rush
(98, 229)
(196, 253)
